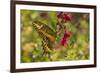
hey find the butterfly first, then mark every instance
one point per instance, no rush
(47, 35)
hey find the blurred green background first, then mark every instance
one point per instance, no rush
(31, 48)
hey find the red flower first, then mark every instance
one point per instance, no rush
(65, 16)
(66, 34)
(64, 42)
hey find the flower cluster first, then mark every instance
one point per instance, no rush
(64, 41)
(64, 18)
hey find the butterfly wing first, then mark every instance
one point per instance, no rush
(47, 35)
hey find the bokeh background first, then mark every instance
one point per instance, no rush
(31, 48)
